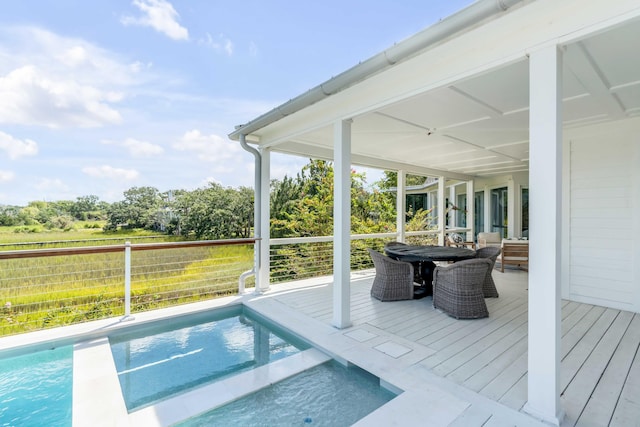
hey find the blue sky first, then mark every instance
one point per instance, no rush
(100, 96)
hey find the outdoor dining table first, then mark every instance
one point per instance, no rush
(423, 258)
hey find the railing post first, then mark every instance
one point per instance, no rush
(127, 280)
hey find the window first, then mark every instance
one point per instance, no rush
(499, 206)
(478, 212)
(461, 212)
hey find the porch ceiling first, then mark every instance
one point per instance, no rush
(479, 126)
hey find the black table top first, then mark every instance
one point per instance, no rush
(411, 253)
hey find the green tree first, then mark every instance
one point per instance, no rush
(117, 216)
(215, 212)
(138, 209)
(303, 206)
(9, 215)
(88, 207)
(389, 180)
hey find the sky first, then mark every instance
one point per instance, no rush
(100, 96)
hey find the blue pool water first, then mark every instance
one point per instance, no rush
(328, 395)
(154, 363)
(36, 388)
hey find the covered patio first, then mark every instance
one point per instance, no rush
(480, 364)
(507, 95)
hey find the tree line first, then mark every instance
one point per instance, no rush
(301, 205)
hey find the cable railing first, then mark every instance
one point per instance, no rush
(41, 288)
(48, 287)
(299, 258)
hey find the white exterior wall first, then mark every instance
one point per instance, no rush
(604, 215)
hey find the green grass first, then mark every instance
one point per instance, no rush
(37, 293)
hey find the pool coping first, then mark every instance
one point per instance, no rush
(15, 345)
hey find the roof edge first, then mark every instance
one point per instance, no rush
(459, 21)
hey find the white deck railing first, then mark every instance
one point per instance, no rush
(41, 288)
(47, 287)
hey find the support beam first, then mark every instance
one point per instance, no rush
(453, 221)
(545, 192)
(471, 211)
(264, 260)
(442, 210)
(511, 208)
(401, 205)
(487, 209)
(342, 224)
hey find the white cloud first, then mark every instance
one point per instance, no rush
(138, 148)
(159, 15)
(30, 97)
(62, 57)
(210, 148)
(16, 148)
(222, 44)
(138, 66)
(109, 172)
(52, 184)
(74, 56)
(56, 81)
(6, 176)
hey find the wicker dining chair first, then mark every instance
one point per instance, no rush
(489, 286)
(457, 288)
(417, 277)
(394, 279)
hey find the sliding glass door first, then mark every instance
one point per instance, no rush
(478, 213)
(499, 205)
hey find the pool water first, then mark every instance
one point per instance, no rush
(158, 363)
(36, 388)
(328, 395)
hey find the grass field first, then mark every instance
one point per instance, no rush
(37, 293)
(13, 238)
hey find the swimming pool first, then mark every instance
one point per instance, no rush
(159, 371)
(36, 388)
(155, 362)
(328, 395)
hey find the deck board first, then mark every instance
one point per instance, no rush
(498, 337)
(602, 403)
(504, 381)
(600, 360)
(493, 363)
(627, 411)
(576, 358)
(586, 379)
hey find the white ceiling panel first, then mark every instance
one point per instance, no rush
(505, 89)
(437, 109)
(480, 126)
(616, 53)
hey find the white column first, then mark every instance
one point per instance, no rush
(453, 222)
(471, 209)
(342, 224)
(487, 209)
(512, 200)
(401, 205)
(442, 210)
(264, 260)
(545, 192)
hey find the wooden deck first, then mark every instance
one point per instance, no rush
(600, 374)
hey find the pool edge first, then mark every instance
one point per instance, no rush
(203, 399)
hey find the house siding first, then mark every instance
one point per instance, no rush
(603, 211)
